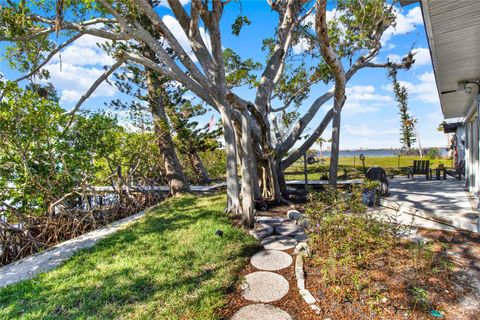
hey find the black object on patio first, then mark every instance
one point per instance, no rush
(379, 174)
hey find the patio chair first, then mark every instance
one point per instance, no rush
(459, 171)
(379, 174)
(420, 167)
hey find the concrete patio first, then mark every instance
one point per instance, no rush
(436, 204)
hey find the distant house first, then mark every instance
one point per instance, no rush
(453, 32)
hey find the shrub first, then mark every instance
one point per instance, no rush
(433, 153)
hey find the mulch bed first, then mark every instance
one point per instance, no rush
(454, 290)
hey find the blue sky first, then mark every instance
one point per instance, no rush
(370, 118)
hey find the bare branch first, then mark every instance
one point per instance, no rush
(180, 77)
(191, 29)
(309, 142)
(92, 89)
(173, 42)
(65, 25)
(273, 69)
(49, 57)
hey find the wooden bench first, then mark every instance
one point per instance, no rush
(420, 167)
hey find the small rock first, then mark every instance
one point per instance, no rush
(419, 239)
(294, 214)
(302, 246)
(316, 309)
(384, 300)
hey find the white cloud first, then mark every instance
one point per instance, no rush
(363, 99)
(174, 26)
(331, 14)
(74, 80)
(405, 23)
(424, 91)
(301, 46)
(422, 57)
(80, 65)
(164, 3)
(394, 58)
(85, 52)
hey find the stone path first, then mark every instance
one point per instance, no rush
(276, 234)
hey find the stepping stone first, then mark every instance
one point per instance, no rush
(262, 232)
(261, 312)
(294, 214)
(278, 243)
(271, 260)
(264, 286)
(289, 230)
(269, 221)
(301, 237)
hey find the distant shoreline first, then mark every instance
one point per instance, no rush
(371, 152)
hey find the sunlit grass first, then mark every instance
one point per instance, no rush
(170, 265)
(392, 164)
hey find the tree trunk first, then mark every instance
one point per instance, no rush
(248, 204)
(174, 172)
(335, 146)
(257, 194)
(281, 179)
(199, 168)
(233, 192)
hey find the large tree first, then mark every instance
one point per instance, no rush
(338, 49)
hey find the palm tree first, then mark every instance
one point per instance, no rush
(320, 142)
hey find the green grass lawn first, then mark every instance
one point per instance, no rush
(169, 265)
(391, 164)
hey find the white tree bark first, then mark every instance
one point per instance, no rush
(248, 204)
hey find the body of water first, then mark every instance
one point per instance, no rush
(372, 153)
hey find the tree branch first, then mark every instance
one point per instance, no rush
(309, 142)
(191, 29)
(92, 89)
(173, 42)
(288, 20)
(50, 56)
(180, 77)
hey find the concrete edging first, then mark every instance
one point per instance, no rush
(53, 257)
(302, 251)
